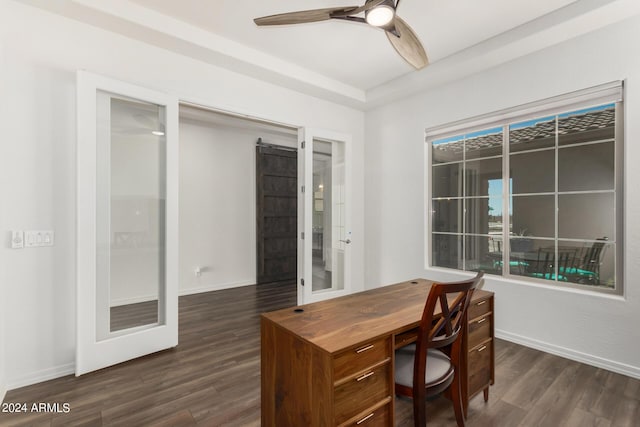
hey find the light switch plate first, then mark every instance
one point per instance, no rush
(17, 239)
(36, 238)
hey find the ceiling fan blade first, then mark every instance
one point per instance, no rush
(357, 10)
(407, 44)
(302, 17)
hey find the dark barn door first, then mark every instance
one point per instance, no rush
(277, 213)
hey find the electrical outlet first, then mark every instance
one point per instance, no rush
(17, 239)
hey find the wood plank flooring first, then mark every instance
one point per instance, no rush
(132, 315)
(213, 379)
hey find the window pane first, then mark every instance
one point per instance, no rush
(446, 251)
(533, 172)
(532, 258)
(447, 150)
(593, 264)
(484, 216)
(586, 167)
(586, 216)
(532, 134)
(479, 173)
(590, 124)
(447, 180)
(485, 143)
(562, 200)
(482, 253)
(533, 216)
(447, 216)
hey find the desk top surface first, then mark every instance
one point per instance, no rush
(344, 322)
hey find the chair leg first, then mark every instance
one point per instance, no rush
(456, 399)
(419, 410)
(465, 407)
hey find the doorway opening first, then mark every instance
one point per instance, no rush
(236, 224)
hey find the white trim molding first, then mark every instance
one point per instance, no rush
(598, 362)
(216, 287)
(41, 376)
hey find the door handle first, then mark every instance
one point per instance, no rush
(346, 241)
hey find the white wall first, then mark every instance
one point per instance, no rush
(218, 204)
(599, 330)
(5, 236)
(42, 53)
(3, 381)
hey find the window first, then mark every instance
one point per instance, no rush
(533, 195)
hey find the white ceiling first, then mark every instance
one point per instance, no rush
(346, 62)
(356, 54)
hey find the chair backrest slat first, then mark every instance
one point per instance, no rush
(442, 329)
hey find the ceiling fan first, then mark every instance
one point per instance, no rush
(377, 13)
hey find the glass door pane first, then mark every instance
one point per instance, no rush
(131, 176)
(329, 237)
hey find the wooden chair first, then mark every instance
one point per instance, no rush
(545, 266)
(432, 365)
(586, 269)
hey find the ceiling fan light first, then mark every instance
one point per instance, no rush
(380, 16)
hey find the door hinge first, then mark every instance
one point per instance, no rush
(302, 235)
(302, 144)
(302, 189)
(302, 282)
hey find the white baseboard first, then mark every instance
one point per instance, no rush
(598, 362)
(188, 291)
(41, 376)
(216, 287)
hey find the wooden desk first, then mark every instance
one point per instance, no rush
(331, 362)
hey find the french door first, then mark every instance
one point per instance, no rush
(325, 223)
(127, 207)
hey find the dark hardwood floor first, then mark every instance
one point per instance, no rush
(213, 379)
(132, 315)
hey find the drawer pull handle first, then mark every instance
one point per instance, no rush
(367, 375)
(481, 302)
(365, 418)
(484, 347)
(363, 349)
(481, 320)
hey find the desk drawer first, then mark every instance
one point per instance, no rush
(478, 308)
(479, 330)
(364, 391)
(480, 367)
(360, 358)
(380, 417)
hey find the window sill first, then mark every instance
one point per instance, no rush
(611, 295)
